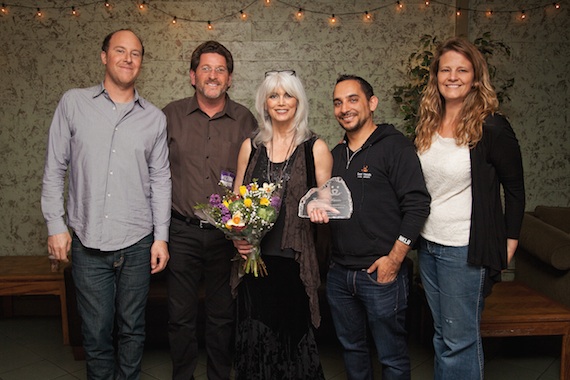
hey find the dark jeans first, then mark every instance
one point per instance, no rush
(358, 301)
(112, 285)
(199, 255)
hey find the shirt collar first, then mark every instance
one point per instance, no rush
(100, 90)
(228, 109)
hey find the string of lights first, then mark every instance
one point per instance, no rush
(298, 11)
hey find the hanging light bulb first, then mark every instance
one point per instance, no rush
(210, 26)
(458, 13)
(74, 11)
(556, 5)
(174, 20)
(4, 9)
(399, 5)
(142, 5)
(299, 14)
(243, 15)
(427, 3)
(39, 13)
(332, 20)
(523, 15)
(367, 16)
(107, 5)
(489, 13)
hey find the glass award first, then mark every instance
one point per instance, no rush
(334, 197)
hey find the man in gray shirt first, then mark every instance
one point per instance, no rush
(113, 144)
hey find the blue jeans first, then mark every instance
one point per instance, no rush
(454, 291)
(112, 287)
(358, 301)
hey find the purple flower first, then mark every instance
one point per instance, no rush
(226, 214)
(275, 202)
(215, 200)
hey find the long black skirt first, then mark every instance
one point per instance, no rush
(274, 336)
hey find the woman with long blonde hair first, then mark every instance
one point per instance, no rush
(468, 151)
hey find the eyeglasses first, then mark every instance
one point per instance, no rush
(218, 70)
(273, 72)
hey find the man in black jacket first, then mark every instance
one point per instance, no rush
(367, 284)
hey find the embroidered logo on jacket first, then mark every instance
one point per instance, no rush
(363, 173)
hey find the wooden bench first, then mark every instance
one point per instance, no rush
(514, 309)
(32, 275)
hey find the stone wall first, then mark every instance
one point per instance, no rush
(43, 57)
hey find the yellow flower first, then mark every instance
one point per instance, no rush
(242, 190)
(264, 201)
(254, 186)
(247, 202)
(226, 203)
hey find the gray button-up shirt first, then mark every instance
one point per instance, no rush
(119, 175)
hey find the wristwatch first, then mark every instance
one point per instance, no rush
(405, 240)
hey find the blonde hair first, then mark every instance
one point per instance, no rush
(293, 86)
(480, 102)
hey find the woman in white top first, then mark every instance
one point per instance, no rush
(467, 152)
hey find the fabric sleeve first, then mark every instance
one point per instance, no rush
(55, 169)
(505, 155)
(161, 185)
(409, 184)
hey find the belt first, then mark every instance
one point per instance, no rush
(192, 221)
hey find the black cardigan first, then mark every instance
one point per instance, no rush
(496, 160)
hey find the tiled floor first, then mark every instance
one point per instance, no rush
(31, 348)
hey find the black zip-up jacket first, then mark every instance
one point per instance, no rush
(389, 197)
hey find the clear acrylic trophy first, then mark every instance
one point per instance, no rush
(334, 197)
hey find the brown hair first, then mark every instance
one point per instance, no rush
(211, 47)
(479, 103)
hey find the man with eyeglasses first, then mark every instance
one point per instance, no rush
(205, 133)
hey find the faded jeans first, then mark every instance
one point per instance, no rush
(454, 291)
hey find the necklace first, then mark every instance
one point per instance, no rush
(284, 168)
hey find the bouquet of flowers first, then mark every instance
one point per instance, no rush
(247, 215)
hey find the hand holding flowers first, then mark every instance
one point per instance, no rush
(248, 215)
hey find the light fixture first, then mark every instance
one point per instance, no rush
(332, 20)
